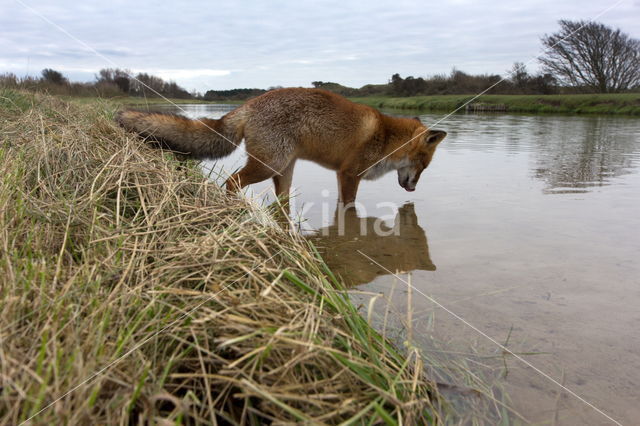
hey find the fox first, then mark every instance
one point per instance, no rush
(284, 125)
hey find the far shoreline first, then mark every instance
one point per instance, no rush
(591, 104)
(625, 104)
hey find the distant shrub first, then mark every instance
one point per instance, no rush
(54, 77)
(232, 95)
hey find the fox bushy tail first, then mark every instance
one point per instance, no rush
(203, 138)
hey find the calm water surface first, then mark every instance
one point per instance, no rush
(528, 227)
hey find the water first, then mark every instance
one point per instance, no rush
(527, 227)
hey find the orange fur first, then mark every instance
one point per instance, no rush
(284, 125)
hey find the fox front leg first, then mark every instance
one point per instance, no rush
(348, 186)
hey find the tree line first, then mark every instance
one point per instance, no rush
(109, 82)
(142, 84)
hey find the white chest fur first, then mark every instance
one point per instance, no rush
(384, 167)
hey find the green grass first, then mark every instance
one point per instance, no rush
(626, 104)
(15, 101)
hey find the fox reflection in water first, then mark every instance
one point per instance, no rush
(399, 249)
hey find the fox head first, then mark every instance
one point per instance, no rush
(419, 156)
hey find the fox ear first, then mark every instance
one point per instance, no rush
(434, 137)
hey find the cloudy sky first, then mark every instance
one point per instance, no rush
(221, 45)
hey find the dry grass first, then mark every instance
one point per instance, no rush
(202, 309)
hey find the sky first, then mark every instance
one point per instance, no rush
(217, 45)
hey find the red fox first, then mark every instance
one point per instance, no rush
(283, 125)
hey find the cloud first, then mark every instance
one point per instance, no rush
(176, 73)
(121, 53)
(289, 43)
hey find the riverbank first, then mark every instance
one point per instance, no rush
(623, 104)
(134, 101)
(603, 104)
(136, 291)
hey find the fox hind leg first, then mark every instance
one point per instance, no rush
(254, 171)
(282, 182)
(257, 170)
(266, 158)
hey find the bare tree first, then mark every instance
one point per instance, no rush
(519, 75)
(116, 76)
(592, 57)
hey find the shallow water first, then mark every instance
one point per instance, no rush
(528, 228)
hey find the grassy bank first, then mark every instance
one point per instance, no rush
(137, 101)
(135, 291)
(628, 103)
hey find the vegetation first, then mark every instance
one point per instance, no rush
(232, 95)
(134, 290)
(627, 103)
(456, 83)
(55, 83)
(137, 102)
(592, 57)
(109, 83)
(54, 77)
(366, 90)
